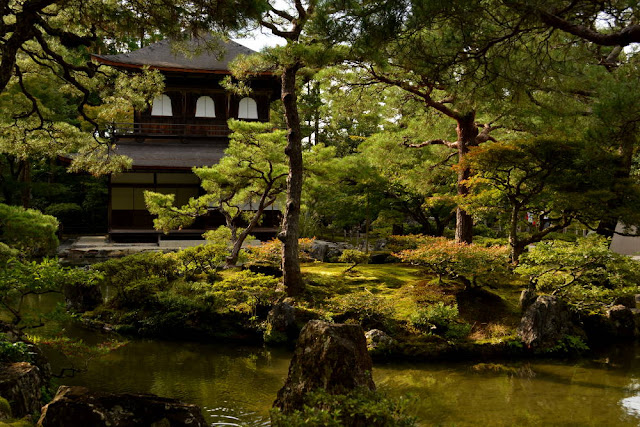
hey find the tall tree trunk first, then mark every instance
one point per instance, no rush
(467, 133)
(292, 277)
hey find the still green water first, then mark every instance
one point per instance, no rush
(236, 385)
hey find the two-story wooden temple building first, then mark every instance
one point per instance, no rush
(185, 127)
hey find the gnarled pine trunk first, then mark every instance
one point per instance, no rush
(467, 133)
(292, 277)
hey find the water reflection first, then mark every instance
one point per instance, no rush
(236, 385)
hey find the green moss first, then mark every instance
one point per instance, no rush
(16, 423)
(5, 408)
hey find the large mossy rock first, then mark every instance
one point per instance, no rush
(623, 321)
(546, 322)
(79, 406)
(281, 324)
(20, 385)
(328, 356)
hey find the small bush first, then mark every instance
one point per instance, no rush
(354, 257)
(202, 259)
(440, 319)
(358, 408)
(136, 278)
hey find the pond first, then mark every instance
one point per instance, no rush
(236, 385)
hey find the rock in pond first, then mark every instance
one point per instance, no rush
(328, 356)
(378, 342)
(281, 324)
(79, 406)
(20, 385)
(545, 323)
(623, 321)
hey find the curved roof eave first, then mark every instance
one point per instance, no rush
(101, 59)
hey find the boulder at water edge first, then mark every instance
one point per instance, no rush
(20, 385)
(328, 356)
(545, 323)
(281, 324)
(79, 406)
(379, 343)
(623, 321)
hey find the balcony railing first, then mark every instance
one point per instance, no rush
(167, 130)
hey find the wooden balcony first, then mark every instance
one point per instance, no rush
(144, 130)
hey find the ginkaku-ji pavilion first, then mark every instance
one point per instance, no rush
(185, 127)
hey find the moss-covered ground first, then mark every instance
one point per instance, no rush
(402, 289)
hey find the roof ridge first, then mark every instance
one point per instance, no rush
(162, 55)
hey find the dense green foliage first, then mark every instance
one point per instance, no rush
(365, 308)
(14, 351)
(359, 407)
(440, 319)
(28, 230)
(157, 294)
(585, 273)
(18, 279)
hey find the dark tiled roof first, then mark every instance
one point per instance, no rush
(161, 55)
(184, 156)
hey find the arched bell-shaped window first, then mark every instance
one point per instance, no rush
(247, 109)
(205, 107)
(161, 106)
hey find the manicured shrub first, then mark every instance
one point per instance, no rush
(585, 273)
(472, 265)
(270, 253)
(135, 278)
(365, 308)
(243, 291)
(354, 257)
(202, 259)
(28, 230)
